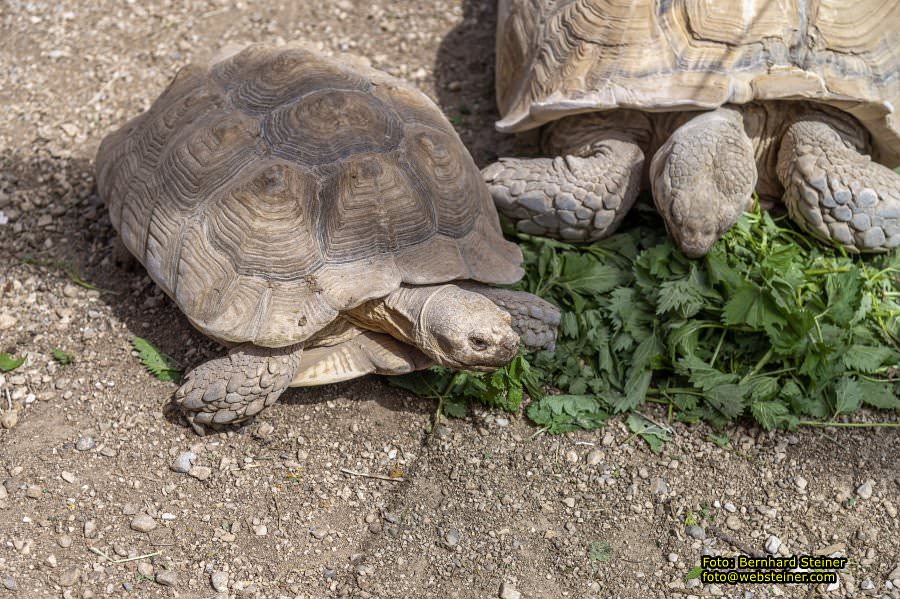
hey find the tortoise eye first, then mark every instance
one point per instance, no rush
(478, 343)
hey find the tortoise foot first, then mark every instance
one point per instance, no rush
(236, 387)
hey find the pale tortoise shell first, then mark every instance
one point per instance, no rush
(271, 190)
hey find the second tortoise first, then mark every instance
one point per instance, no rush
(703, 102)
(320, 218)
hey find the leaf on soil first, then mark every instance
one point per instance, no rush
(161, 366)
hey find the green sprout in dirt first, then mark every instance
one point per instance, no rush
(770, 325)
(63, 358)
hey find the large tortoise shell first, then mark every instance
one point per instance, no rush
(562, 57)
(273, 189)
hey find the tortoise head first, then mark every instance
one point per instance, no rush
(462, 329)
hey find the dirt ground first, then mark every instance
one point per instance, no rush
(90, 507)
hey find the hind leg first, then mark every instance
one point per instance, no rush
(235, 387)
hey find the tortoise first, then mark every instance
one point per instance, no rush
(320, 218)
(786, 98)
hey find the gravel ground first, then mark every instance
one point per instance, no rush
(106, 492)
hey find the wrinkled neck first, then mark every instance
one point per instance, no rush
(403, 314)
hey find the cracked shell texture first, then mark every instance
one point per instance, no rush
(561, 57)
(269, 191)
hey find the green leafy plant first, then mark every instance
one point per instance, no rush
(9, 363)
(160, 365)
(770, 325)
(62, 357)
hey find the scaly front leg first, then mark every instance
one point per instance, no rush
(834, 191)
(235, 387)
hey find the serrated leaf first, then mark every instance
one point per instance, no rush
(455, 408)
(769, 414)
(868, 358)
(563, 413)
(161, 366)
(848, 395)
(729, 400)
(879, 395)
(720, 440)
(681, 296)
(654, 435)
(752, 306)
(9, 363)
(702, 374)
(586, 276)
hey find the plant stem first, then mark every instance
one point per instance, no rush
(850, 424)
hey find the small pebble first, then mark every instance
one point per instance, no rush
(183, 462)
(773, 543)
(143, 523)
(64, 541)
(167, 578)
(33, 492)
(800, 483)
(734, 523)
(9, 583)
(864, 491)
(569, 501)
(68, 577)
(145, 569)
(264, 430)
(261, 530)
(571, 456)
(68, 477)
(594, 457)
(508, 591)
(672, 557)
(90, 529)
(201, 472)
(695, 532)
(84, 444)
(219, 581)
(452, 537)
(659, 486)
(318, 533)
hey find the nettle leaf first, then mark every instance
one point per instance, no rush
(879, 395)
(563, 413)
(772, 414)
(868, 358)
(9, 363)
(702, 374)
(848, 395)
(681, 296)
(754, 307)
(455, 408)
(161, 366)
(654, 435)
(583, 275)
(730, 400)
(63, 358)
